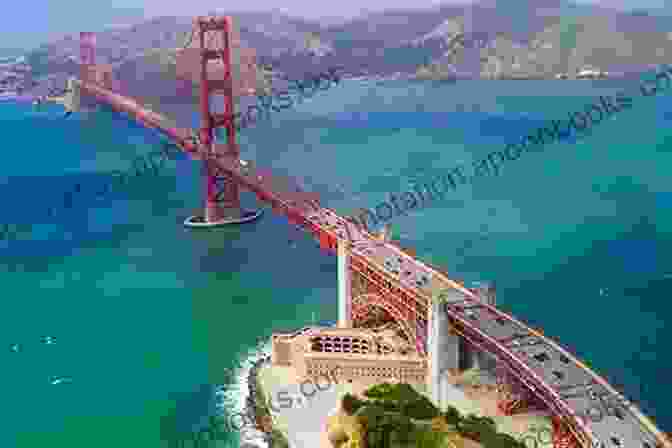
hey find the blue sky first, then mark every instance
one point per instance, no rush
(26, 24)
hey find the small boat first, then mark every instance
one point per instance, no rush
(200, 222)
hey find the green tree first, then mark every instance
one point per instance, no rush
(405, 393)
(426, 438)
(372, 412)
(390, 429)
(403, 431)
(387, 405)
(500, 440)
(420, 409)
(377, 434)
(452, 416)
(489, 422)
(350, 404)
(382, 390)
(476, 428)
(402, 398)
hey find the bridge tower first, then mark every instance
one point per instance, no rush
(87, 55)
(90, 72)
(222, 202)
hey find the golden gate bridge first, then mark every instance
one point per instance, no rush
(545, 372)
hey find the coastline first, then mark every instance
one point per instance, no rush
(17, 98)
(256, 408)
(263, 434)
(253, 390)
(252, 435)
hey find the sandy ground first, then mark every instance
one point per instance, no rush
(304, 423)
(486, 398)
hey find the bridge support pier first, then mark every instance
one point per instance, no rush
(344, 285)
(448, 351)
(444, 351)
(72, 96)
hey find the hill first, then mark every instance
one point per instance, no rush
(478, 40)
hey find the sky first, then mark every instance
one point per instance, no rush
(27, 24)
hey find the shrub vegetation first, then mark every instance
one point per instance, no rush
(396, 415)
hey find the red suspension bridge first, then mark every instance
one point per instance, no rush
(373, 271)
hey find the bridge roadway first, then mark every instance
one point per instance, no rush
(565, 384)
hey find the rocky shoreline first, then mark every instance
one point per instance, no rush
(263, 424)
(250, 400)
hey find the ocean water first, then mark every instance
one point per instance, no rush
(145, 316)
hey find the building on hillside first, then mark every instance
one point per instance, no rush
(591, 73)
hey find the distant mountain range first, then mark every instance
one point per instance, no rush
(487, 39)
(11, 52)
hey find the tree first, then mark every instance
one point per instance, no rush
(402, 398)
(500, 440)
(452, 416)
(377, 433)
(382, 390)
(404, 429)
(350, 404)
(428, 439)
(405, 392)
(476, 428)
(390, 428)
(388, 405)
(372, 413)
(489, 422)
(421, 409)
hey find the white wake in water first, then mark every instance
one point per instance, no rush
(232, 400)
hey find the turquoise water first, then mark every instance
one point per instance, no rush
(146, 315)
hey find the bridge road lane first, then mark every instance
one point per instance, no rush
(547, 362)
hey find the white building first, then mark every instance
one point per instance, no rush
(591, 73)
